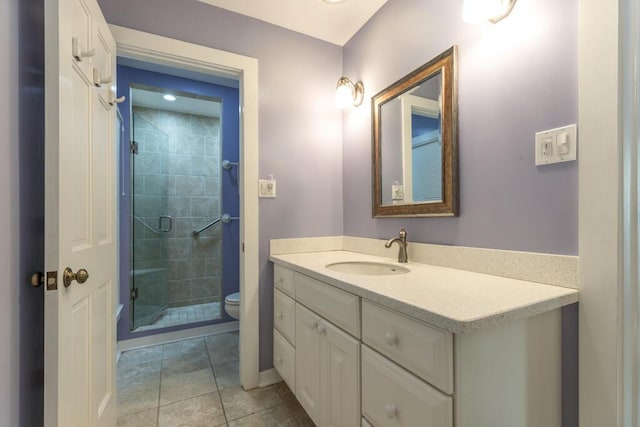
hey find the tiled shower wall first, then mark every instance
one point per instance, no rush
(177, 173)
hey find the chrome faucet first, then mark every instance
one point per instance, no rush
(401, 240)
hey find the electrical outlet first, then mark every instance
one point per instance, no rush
(556, 145)
(267, 188)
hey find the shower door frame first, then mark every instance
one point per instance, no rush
(160, 50)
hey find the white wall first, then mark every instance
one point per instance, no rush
(9, 224)
(599, 208)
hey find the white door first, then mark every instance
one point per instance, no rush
(80, 219)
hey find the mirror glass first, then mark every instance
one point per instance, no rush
(414, 142)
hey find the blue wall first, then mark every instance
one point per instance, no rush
(421, 124)
(32, 115)
(21, 217)
(9, 216)
(230, 136)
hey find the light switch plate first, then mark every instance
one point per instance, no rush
(267, 188)
(556, 145)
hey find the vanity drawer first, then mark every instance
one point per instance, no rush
(284, 315)
(392, 396)
(335, 305)
(284, 360)
(283, 280)
(422, 349)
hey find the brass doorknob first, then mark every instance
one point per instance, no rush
(37, 279)
(69, 276)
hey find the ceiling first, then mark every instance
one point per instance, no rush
(335, 23)
(185, 103)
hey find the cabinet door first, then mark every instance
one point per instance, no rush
(308, 362)
(339, 377)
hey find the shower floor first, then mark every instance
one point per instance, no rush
(174, 316)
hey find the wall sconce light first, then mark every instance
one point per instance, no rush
(474, 11)
(348, 94)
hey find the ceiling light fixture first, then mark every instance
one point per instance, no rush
(474, 11)
(169, 97)
(333, 1)
(348, 94)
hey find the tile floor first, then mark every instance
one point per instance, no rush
(173, 316)
(195, 383)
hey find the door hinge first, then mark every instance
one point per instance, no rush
(133, 147)
(134, 294)
(52, 280)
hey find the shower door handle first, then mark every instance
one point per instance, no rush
(165, 223)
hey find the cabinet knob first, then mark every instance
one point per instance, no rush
(279, 315)
(390, 338)
(314, 325)
(390, 411)
(279, 360)
(321, 329)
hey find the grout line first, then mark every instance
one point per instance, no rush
(159, 395)
(160, 385)
(224, 412)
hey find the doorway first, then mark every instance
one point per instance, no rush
(139, 46)
(180, 206)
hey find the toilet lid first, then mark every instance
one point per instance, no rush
(233, 298)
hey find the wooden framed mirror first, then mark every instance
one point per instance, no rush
(415, 142)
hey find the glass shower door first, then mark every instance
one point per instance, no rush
(150, 224)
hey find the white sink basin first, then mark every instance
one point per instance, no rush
(367, 268)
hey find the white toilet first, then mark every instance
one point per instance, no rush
(232, 305)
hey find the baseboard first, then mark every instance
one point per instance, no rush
(185, 334)
(268, 377)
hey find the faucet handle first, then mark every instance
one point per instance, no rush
(403, 234)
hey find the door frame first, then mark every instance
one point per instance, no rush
(601, 214)
(151, 48)
(629, 352)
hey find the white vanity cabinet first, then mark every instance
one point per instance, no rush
(325, 373)
(361, 363)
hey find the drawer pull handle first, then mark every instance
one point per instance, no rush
(391, 339)
(391, 411)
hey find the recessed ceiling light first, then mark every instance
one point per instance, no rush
(333, 1)
(169, 97)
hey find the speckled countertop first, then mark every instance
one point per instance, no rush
(455, 300)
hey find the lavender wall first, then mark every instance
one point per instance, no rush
(514, 78)
(299, 130)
